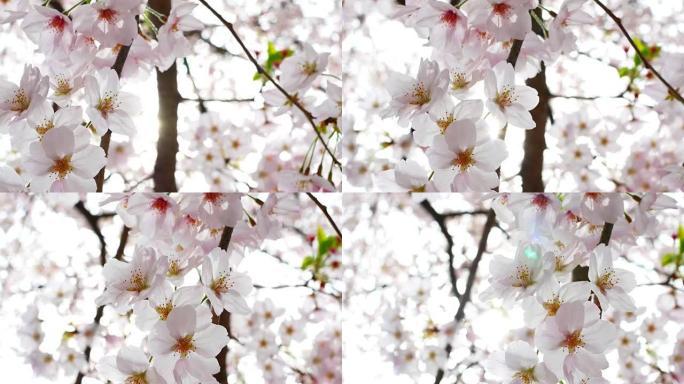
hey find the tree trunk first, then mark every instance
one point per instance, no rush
(167, 145)
(535, 142)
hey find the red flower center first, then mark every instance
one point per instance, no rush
(57, 23)
(108, 15)
(450, 17)
(501, 9)
(160, 204)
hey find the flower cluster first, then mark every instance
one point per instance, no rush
(177, 292)
(547, 288)
(76, 96)
(92, 54)
(591, 110)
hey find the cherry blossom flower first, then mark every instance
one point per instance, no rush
(65, 81)
(182, 347)
(48, 28)
(41, 119)
(467, 163)
(156, 213)
(411, 175)
(111, 22)
(292, 330)
(518, 277)
(109, 108)
(439, 118)
(276, 98)
(575, 339)
(507, 102)
(63, 161)
(128, 283)
(264, 342)
(163, 301)
(130, 365)
(548, 299)
(266, 312)
(569, 14)
(434, 358)
(597, 208)
(520, 365)
(652, 329)
(215, 209)
(10, 181)
(172, 42)
(448, 25)
(225, 287)
(331, 107)
(506, 19)
(16, 101)
(301, 69)
(411, 97)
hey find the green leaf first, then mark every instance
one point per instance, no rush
(624, 71)
(274, 58)
(668, 259)
(307, 262)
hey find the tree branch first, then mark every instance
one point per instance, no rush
(472, 272)
(672, 92)
(223, 319)
(441, 222)
(100, 309)
(263, 72)
(324, 209)
(107, 137)
(93, 223)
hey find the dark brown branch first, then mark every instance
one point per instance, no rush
(216, 100)
(107, 137)
(264, 73)
(472, 272)
(224, 318)
(672, 92)
(93, 223)
(606, 232)
(122, 243)
(465, 213)
(100, 309)
(514, 52)
(202, 106)
(324, 209)
(535, 142)
(441, 222)
(581, 272)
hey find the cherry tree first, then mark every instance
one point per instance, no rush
(247, 96)
(157, 288)
(515, 288)
(556, 95)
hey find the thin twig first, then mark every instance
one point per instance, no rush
(324, 209)
(264, 73)
(472, 272)
(672, 91)
(441, 222)
(100, 309)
